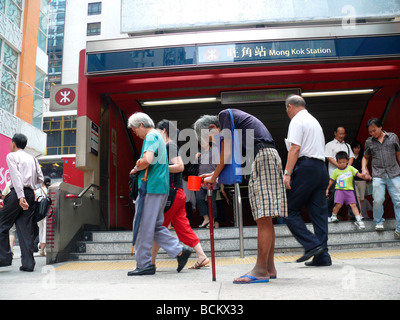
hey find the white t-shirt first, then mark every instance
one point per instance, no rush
(306, 132)
(333, 147)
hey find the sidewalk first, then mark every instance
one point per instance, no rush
(354, 275)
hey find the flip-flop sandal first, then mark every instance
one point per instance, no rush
(252, 280)
(202, 264)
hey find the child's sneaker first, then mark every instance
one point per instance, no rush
(360, 225)
(334, 219)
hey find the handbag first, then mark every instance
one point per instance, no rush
(232, 172)
(171, 196)
(133, 186)
(42, 206)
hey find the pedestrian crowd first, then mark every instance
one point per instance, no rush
(318, 176)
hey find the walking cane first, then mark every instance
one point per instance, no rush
(210, 214)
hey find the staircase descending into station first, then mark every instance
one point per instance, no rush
(116, 245)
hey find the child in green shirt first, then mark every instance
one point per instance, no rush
(343, 177)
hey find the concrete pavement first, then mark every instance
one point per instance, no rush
(354, 275)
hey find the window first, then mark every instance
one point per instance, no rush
(43, 25)
(61, 135)
(8, 76)
(38, 100)
(94, 8)
(93, 29)
(13, 11)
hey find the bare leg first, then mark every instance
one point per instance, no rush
(265, 266)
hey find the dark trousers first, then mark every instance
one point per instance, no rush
(309, 182)
(13, 213)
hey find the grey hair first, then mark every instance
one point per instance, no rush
(296, 100)
(203, 123)
(140, 118)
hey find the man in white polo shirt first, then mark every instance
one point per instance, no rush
(331, 149)
(306, 180)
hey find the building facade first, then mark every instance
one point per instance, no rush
(23, 68)
(71, 24)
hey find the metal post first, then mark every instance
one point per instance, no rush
(210, 214)
(239, 214)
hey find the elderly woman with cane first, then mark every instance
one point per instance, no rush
(151, 229)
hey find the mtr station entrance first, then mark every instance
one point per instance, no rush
(345, 76)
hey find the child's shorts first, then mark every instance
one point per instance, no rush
(345, 197)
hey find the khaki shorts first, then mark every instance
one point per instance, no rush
(360, 187)
(267, 193)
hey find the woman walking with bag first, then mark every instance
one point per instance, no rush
(153, 157)
(175, 211)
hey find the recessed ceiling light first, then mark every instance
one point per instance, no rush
(178, 101)
(336, 93)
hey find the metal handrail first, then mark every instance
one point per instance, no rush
(79, 196)
(239, 217)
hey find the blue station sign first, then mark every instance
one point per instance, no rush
(237, 53)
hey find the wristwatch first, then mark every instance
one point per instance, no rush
(287, 173)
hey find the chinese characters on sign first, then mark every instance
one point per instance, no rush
(267, 51)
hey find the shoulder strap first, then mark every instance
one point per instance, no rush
(232, 121)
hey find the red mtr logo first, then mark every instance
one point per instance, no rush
(65, 96)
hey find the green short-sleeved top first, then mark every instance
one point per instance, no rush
(158, 177)
(344, 178)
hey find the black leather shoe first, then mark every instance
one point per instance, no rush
(313, 252)
(183, 258)
(318, 264)
(151, 269)
(25, 269)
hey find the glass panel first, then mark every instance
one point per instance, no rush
(7, 101)
(8, 79)
(67, 124)
(55, 125)
(10, 57)
(14, 14)
(51, 151)
(43, 23)
(46, 126)
(69, 138)
(39, 81)
(3, 6)
(53, 139)
(42, 41)
(37, 118)
(38, 104)
(93, 29)
(94, 8)
(44, 6)
(18, 2)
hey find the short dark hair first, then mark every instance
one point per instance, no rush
(168, 126)
(374, 121)
(47, 181)
(342, 155)
(20, 140)
(339, 126)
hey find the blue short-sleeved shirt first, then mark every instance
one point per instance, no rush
(158, 177)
